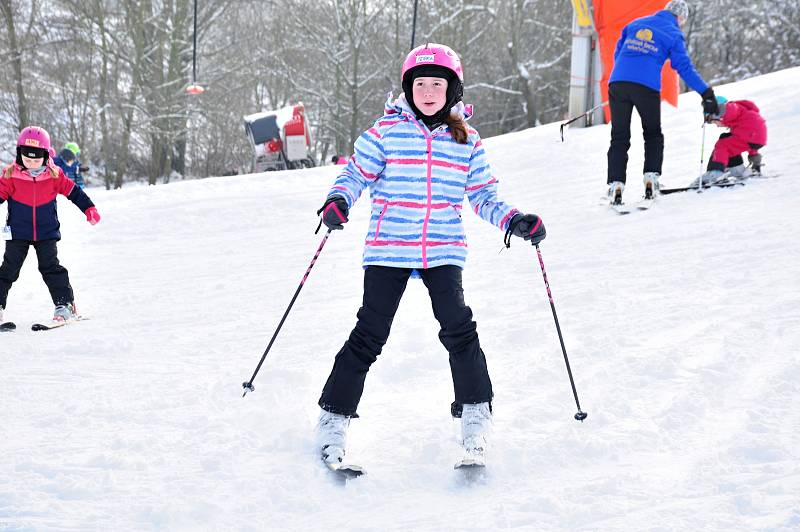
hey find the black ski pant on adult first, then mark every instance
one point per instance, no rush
(54, 274)
(623, 96)
(383, 288)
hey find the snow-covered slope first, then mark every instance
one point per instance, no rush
(682, 325)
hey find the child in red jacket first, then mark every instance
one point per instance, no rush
(30, 186)
(747, 133)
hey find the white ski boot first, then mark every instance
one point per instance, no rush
(332, 436)
(476, 424)
(739, 171)
(65, 312)
(651, 184)
(709, 178)
(615, 189)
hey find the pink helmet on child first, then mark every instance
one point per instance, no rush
(433, 54)
(434, 60)
(34, 142)
(34, 137)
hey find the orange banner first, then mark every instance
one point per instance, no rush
(610, 17)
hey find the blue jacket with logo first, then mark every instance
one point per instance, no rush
(645, 45)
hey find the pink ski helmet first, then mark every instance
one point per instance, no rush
(435, 60)
(34, 137)
(433, 54)
(33, 142)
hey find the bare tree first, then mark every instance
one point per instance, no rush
(111, 74)
(15, 50)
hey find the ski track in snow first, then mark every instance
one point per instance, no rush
(681, 325)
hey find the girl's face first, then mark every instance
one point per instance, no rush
(430, 94)
(32, 164)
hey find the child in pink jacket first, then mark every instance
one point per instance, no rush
(747, 133)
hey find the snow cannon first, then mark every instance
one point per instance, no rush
(280, 139)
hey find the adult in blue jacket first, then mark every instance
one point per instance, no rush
(645, 45)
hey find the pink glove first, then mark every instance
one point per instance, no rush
(92, 216)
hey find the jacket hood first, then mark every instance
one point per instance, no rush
(747, 104)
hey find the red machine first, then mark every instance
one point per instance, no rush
(280, 139)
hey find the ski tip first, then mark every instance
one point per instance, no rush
(470, 463)
(345, 471)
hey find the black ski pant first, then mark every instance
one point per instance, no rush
(54, 274)
(383, 288)
(623, 96)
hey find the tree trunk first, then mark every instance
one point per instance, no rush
(16, 62)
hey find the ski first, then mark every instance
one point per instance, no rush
(49, 326)
(8, 326)
(471, 462)
(620, 208)
(645, 203)
(344, 471)
(705, 187)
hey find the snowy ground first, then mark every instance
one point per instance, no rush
(682, 325)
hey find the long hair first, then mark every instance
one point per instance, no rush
(458, 128)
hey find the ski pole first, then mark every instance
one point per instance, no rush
(702, 158)
(580, 416)
(248, 385)
(586, 114)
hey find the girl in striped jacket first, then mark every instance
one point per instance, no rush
(418, 161)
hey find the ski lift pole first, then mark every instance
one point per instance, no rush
(586, 114)
(248, 385)
(194, 46)
(580, 416)
(414, 25)
(194, 88)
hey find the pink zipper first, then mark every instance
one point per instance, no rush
(34, 207)
(380, 219)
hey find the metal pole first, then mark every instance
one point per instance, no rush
(248, 385)
(581, 415)
(194, 46)
(414, 25)
(702, 158)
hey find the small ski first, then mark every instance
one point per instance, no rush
(8, 326)
(705, 187)
(470, 462)
(645, 203)
(345, 471)
(620, 208)
(48, 326)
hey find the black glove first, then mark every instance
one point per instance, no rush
(710, 105)
(334, 212)
(527, 226)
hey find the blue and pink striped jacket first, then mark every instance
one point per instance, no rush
(417, 181)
